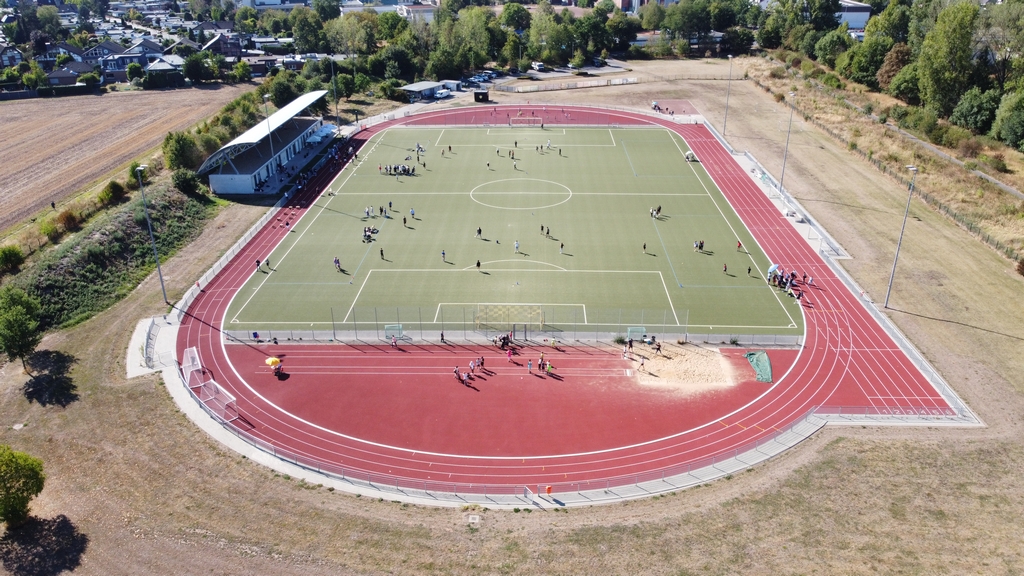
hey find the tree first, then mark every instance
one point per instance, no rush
(1009, 124)
(893, 23)
(181, 150)
(945, 64)
(390, 25)
(62, 59)
(19, 324)
(307, 29)
(11, 257)
(442, 64)
(976, 110)
(905, 85)
(185, 180)
(895, 60)
(821, 14)
(35, 77)
(344, 85)
(194, 67)
(515, 16)
(21, 480)
(246, 19)
(326, 9)
(866, 60)
(135, 71)
(49, 20)
(832, 45)
(652, 15)
(89, 79)
(1001, 32)
(242, 71)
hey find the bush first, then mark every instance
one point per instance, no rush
(995, 161)
(955, 136)
(807, 67)
(976, 110)
(898, 112)
(186, 181)
(49, 229)
(68, 220)
(1020, 266)
(869, 108)
(970, 148)
(116, 191)
(778, 72)
(10, 258)
(832, 81)
(937, 134)
(780, 97)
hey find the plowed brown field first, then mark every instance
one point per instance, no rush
(52, 148)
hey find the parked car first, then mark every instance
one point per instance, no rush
(513, 71)
(538, 66)
(442, 93)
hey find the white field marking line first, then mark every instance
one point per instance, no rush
(667, 295)
(234, 320)
(438, 142)
(630, 160)
(356, 299)
(515, 270)
(654, 222)
(583, 306)
(613, 137)
(729, 224)
(440, 304)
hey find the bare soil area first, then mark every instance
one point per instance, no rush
(53, 148)
(133, 487)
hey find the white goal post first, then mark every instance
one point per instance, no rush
(529, 121)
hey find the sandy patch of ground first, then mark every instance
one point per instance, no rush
(686, 369)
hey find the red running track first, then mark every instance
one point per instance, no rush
(367, 409)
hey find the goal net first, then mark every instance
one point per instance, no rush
(636, 333)
(526, 121)
(191, 366)
(217, 400)
(392, 330)
(503, 316)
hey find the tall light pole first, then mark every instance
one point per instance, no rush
(902, 229)
(334, 85)
(785, 155)
(266, 97)
(727, 92)
(149, 224)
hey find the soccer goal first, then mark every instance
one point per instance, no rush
(191, 366)
(502, 317)
(394, 330)
(526, 121)
(636, 333)
(217, 400)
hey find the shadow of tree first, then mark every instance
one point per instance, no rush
(51, 382)
(43, 547)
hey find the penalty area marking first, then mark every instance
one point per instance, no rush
(437, 314)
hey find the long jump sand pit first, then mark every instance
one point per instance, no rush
(55, 147)
(689, 369)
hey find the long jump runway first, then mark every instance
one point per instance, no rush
(400, 414)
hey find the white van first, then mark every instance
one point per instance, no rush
(442, 93)
(538, 66)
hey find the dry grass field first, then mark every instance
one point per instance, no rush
(53, 148)
(134, 488)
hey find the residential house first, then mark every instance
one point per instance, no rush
(210, 28)
(115, 66)
(195, 46)
(227, 45)
(10, 56)
(420, 12)
(147, 48)
(106, 48)
(62, 77)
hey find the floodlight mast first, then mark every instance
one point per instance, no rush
(149, 225)
(903, 228)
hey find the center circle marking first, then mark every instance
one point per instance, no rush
(473, 194)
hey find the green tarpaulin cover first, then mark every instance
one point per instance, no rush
(762, 365)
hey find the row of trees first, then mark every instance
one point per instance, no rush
(959, 61)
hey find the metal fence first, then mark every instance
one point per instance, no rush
(541, 323)
(526, 88)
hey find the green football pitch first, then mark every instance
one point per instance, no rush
(593, 189)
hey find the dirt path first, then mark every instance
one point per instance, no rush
(152, 494)
(53, 148)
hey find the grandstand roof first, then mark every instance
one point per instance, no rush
(253, 135)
